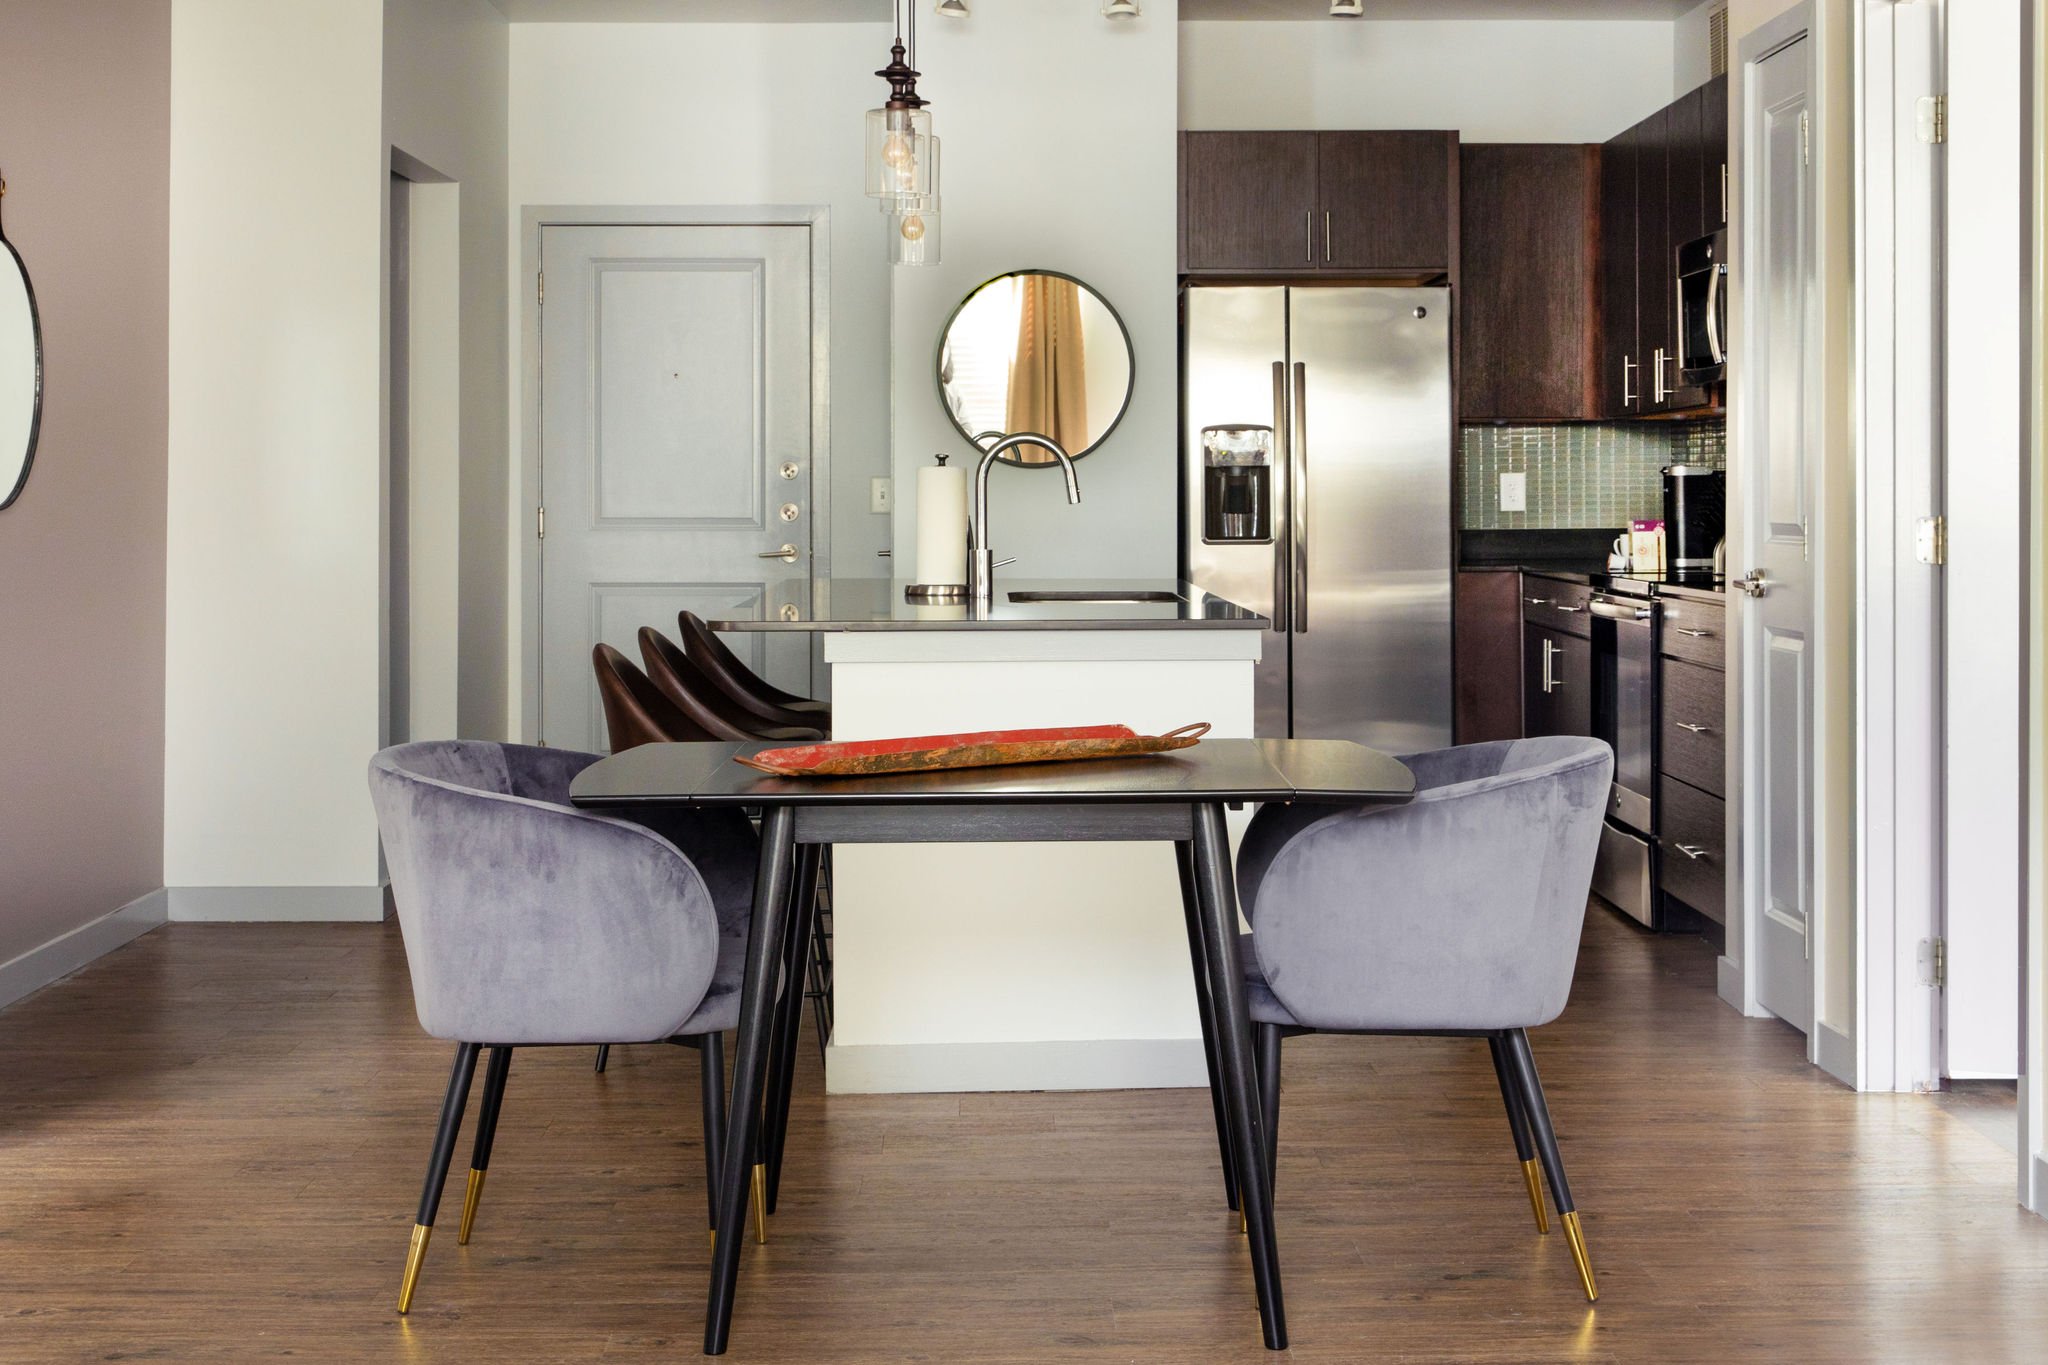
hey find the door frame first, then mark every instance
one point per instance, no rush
(524, 603)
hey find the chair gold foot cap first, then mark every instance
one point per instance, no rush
(415, 1257)
(1532, 1176)
(1244, 1226)
(1584, 1262)
(761, 1203)
(470, 1199)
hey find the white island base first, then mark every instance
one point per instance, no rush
(1020, 966)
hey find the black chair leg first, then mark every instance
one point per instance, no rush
(1518, 1120)
(1524, 1061)
(711, 1079)
(604, 1054)
(486, 1133)
(789, 1020)
(452, 1105)
(1205, 1009)
(1269, 1096)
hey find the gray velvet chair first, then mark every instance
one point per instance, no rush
(1458, 914)
(528, 923)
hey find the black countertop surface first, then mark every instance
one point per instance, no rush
(1576, 555)
(870, 604)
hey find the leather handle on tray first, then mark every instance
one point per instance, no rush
(1195, 731)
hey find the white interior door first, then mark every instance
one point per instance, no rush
(1782, 445)
(675, 461)
(1984, 500)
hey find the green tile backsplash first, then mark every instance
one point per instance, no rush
(1580, 474)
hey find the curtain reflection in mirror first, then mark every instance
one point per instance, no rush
(1048, 369)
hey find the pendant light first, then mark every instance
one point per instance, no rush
(903, 156)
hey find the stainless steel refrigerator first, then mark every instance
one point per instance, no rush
(1316, 489)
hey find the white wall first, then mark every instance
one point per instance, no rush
(272, 617)
(713, 115)
(1059, 142)
(445, 97)
(1690, 57)
(1494, 81)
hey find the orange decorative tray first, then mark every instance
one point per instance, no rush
(983, 749)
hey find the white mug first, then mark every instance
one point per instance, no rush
(1617, 555)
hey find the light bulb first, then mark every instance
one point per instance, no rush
(896, 151)
(913, 227)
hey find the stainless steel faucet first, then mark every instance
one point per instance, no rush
(981, 567)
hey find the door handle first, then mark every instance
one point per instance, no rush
(1283, 468)
(787, 554)
(1299, 477)
(1754, 583)
(1696, 729)
(1615, 611)
(1715, 355)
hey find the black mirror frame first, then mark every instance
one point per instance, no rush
(35, 322)
(1130, 355)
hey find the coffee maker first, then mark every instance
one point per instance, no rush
(1695, 516)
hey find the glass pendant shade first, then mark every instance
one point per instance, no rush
(914, 233)
(902, 155)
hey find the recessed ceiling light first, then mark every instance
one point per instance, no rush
(1347, 9)
(1120, 9)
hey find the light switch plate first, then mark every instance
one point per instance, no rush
(881, 495)
(1514, 492)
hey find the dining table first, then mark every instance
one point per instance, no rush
(1178, 797)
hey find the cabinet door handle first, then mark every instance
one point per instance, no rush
(1326, 236)
(1696, 729)
(1693, 851)
(1562, 607)
(1550, 653)
(1696, 634)
(1724, 193)
(1627, 398)
(1657, 390)
(1536, 601)
(1309, 222)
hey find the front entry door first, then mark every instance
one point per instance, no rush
(675, 460)
(1782, 445)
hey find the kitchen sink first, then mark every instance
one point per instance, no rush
(1107, 597)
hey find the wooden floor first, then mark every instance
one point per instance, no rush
(211, 1142)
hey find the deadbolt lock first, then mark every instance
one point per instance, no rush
(790, 511)
(789, 612)
(789, 469)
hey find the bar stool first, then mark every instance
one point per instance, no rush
(745, 688)
(529, 923)
(704, 702)
(1457, 914)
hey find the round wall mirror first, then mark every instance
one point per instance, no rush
(1035, 350)
(21, 370)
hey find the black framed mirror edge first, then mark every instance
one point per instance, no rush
(1123, 330)
(35, 323)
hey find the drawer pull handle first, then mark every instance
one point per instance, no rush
(1696, 729)
(1696, 634)
(1562, 607)
(1536, 601)
(1693, 851)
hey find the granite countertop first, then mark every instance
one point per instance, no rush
(878, 604)
(1577, 555)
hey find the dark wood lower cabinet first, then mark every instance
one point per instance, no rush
(1486, 644)
(1557, 682)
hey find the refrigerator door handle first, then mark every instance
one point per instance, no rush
(1297, 478)
(1281, 564)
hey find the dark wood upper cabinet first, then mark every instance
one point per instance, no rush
(1687, 152)
(1656, 260)
(1621, 372)
(1526, 288)
(1714, 152)
(1248, 201)
(1385, 200)
(1364, 203)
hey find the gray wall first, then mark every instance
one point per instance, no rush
(85, 147)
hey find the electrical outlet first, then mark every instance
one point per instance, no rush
(1514, 492)
(881, 495)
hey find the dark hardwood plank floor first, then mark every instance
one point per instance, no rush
(211, 1142)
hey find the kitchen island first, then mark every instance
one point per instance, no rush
(1019, 966)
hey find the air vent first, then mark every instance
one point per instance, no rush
(1717, 42)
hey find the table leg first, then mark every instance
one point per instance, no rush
(750, 1062)
(789, 1018)
(1218, 893)
(1205, 1007)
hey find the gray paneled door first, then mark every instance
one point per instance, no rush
(675, 460)
(1783, 446)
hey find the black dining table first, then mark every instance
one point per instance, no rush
(1179, 797)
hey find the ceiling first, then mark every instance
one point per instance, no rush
(878, 11)
(1657, 10)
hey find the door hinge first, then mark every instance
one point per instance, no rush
(1930, 118)
(1930, 540)
(1934, 963)
(540, 287)
(540, 523)
(1805, 137)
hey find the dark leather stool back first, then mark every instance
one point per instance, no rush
(702, 701)
(746, 689)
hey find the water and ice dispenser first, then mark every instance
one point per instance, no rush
(1237, 483)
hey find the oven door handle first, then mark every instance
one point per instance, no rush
(1611, 610)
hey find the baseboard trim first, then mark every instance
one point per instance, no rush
(276, 904)
(2040, 1204)
(66, 953)
(1835, 1053)
(1728, 983)
(1080, 1064)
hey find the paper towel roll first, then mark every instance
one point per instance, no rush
(942, 524)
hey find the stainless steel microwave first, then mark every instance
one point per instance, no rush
(1703, 310)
